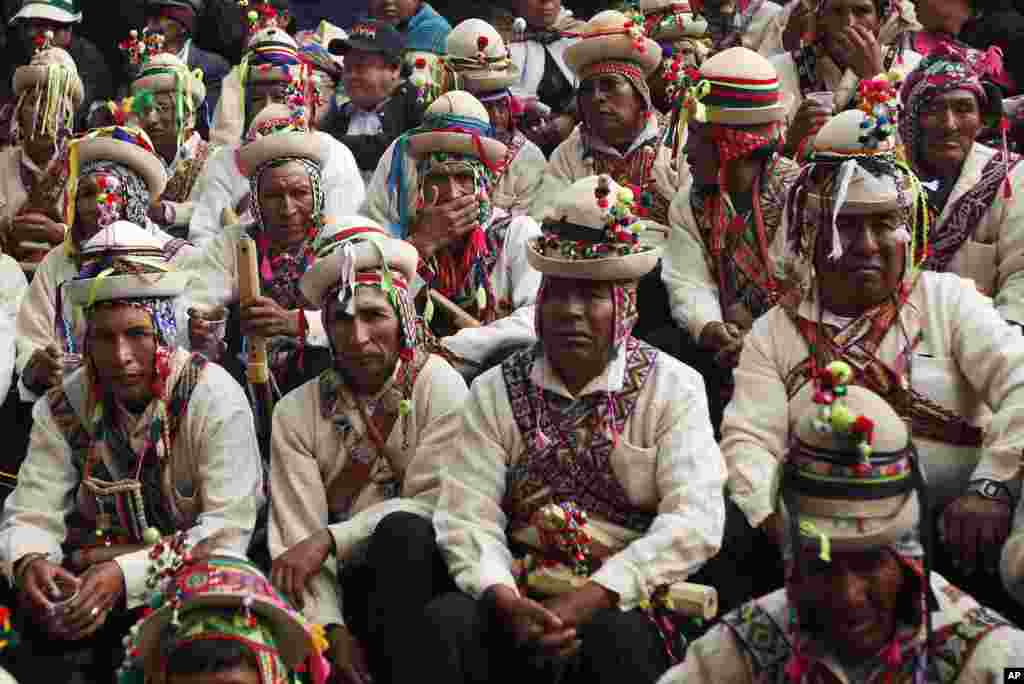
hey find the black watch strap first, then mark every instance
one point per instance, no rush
(991, 489)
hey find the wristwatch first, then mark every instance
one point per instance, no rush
(991, 489)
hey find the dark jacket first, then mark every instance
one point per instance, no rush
(214, 68)
(400, 113)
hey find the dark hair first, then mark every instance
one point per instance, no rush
(209, 656)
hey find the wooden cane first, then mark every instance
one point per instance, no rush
(257, 370)
(459, 315)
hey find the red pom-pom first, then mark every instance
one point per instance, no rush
(420, 63)
(481, 42)
(603, 203)
(862, 469)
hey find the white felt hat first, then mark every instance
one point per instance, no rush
(679, 20)
(611, 36)
(125, 145)
(478, 53)
(37, 73)
(463, 104)
(164, 72)
(301, 144)
(366, 243)
(736, 75)
(126, 241)
(596, 211)
(62, 11)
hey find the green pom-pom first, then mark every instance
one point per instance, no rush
(481, 299)
(404, 407)
(142, 102)
(865, 450)
(839, 391)
(841, 371)
(151, 536)
(428, 310)
(841, 418)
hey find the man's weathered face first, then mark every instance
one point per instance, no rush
(871, 267)
(540, 14)
(286, 197)
(611, 108)
(90, 214)
(159, 121)
(366, 340)
(369, 78)
(839, 15)
(260, 94)
(500, 113)
(945, 16)
(244, 674)
(447, 186)
(577, 321)
(701, 153)
(949, 124)
(122, 346)
(852, 602)
(325, 88)
(393, 11)
(31, 28)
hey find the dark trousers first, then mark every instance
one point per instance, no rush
(460, 640)
(385, 597)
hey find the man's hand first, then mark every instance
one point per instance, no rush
(438, 225)
(206, 336)
(348, 658)
(550, 131)
(974, 531)
(41, 583)
(44, 369)
(725, 340)
(576, 608)
(810, 117)
(530, 623)
(34, 226)
(293, 571)
(861, 50)
(263, 317)
(101, 589)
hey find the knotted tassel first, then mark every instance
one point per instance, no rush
(476, 247)
(892, 656)
(540, 440)
(797, 667)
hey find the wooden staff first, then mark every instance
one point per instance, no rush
(458, 314)
(257, 370)
(228, 217)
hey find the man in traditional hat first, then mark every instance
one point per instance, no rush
(929, 343)
(471, 253)
(609, 474)
(176, 21)
(717, 268)
(226, 185)
(746, 23)
(382, 105)
(144, 441)
(325, 90)
(218, 619)
(167, 98)
(852, 40)
(34, 20)
(48, 93)
(478, 59)
(114, 175)
(350, 454)
(975, 193)
(684, 40)
(860, 603)
(423, 29)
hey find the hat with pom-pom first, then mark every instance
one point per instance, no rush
(592, 233)
(478, 54)
(611, 37)
(455, 138)
(51, 67)
(671, 20)
(60, 11)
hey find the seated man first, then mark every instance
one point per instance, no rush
(144, 441)
(860, 603)
(717, 267)
(287, 205)
(974, 192)
(176, 21)
(609, 440)
(167, 97)
(928, 343)
(744, 23)
(382, 105)
(685, 42)
(221, 621)
(48, 92)
(476, 54)
(117, 174)
(471, 253)
(347, 451)
(225, 198)
(423, 30)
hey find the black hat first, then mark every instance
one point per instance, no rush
(370, 35)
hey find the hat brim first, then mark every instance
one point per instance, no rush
(860, 206)
(852, 529)
(31, 75)
(167, 83)
(327, 271)
(293, 642)
(144, 163)
(616, 48)
(751, 116)
(484, 82)
(629, 267)
(110, 288)
(276, 145)
(41, 11)
(422, 144)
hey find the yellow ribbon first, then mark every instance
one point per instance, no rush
(808, 529)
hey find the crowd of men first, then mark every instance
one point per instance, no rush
(680, 343)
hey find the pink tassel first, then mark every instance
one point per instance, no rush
(265, 272)
(892, 655)
(991, 62)
(319, 669)
(476, 248)
(540, 440)
(797, 667)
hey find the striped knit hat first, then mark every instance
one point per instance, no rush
(738, 87)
